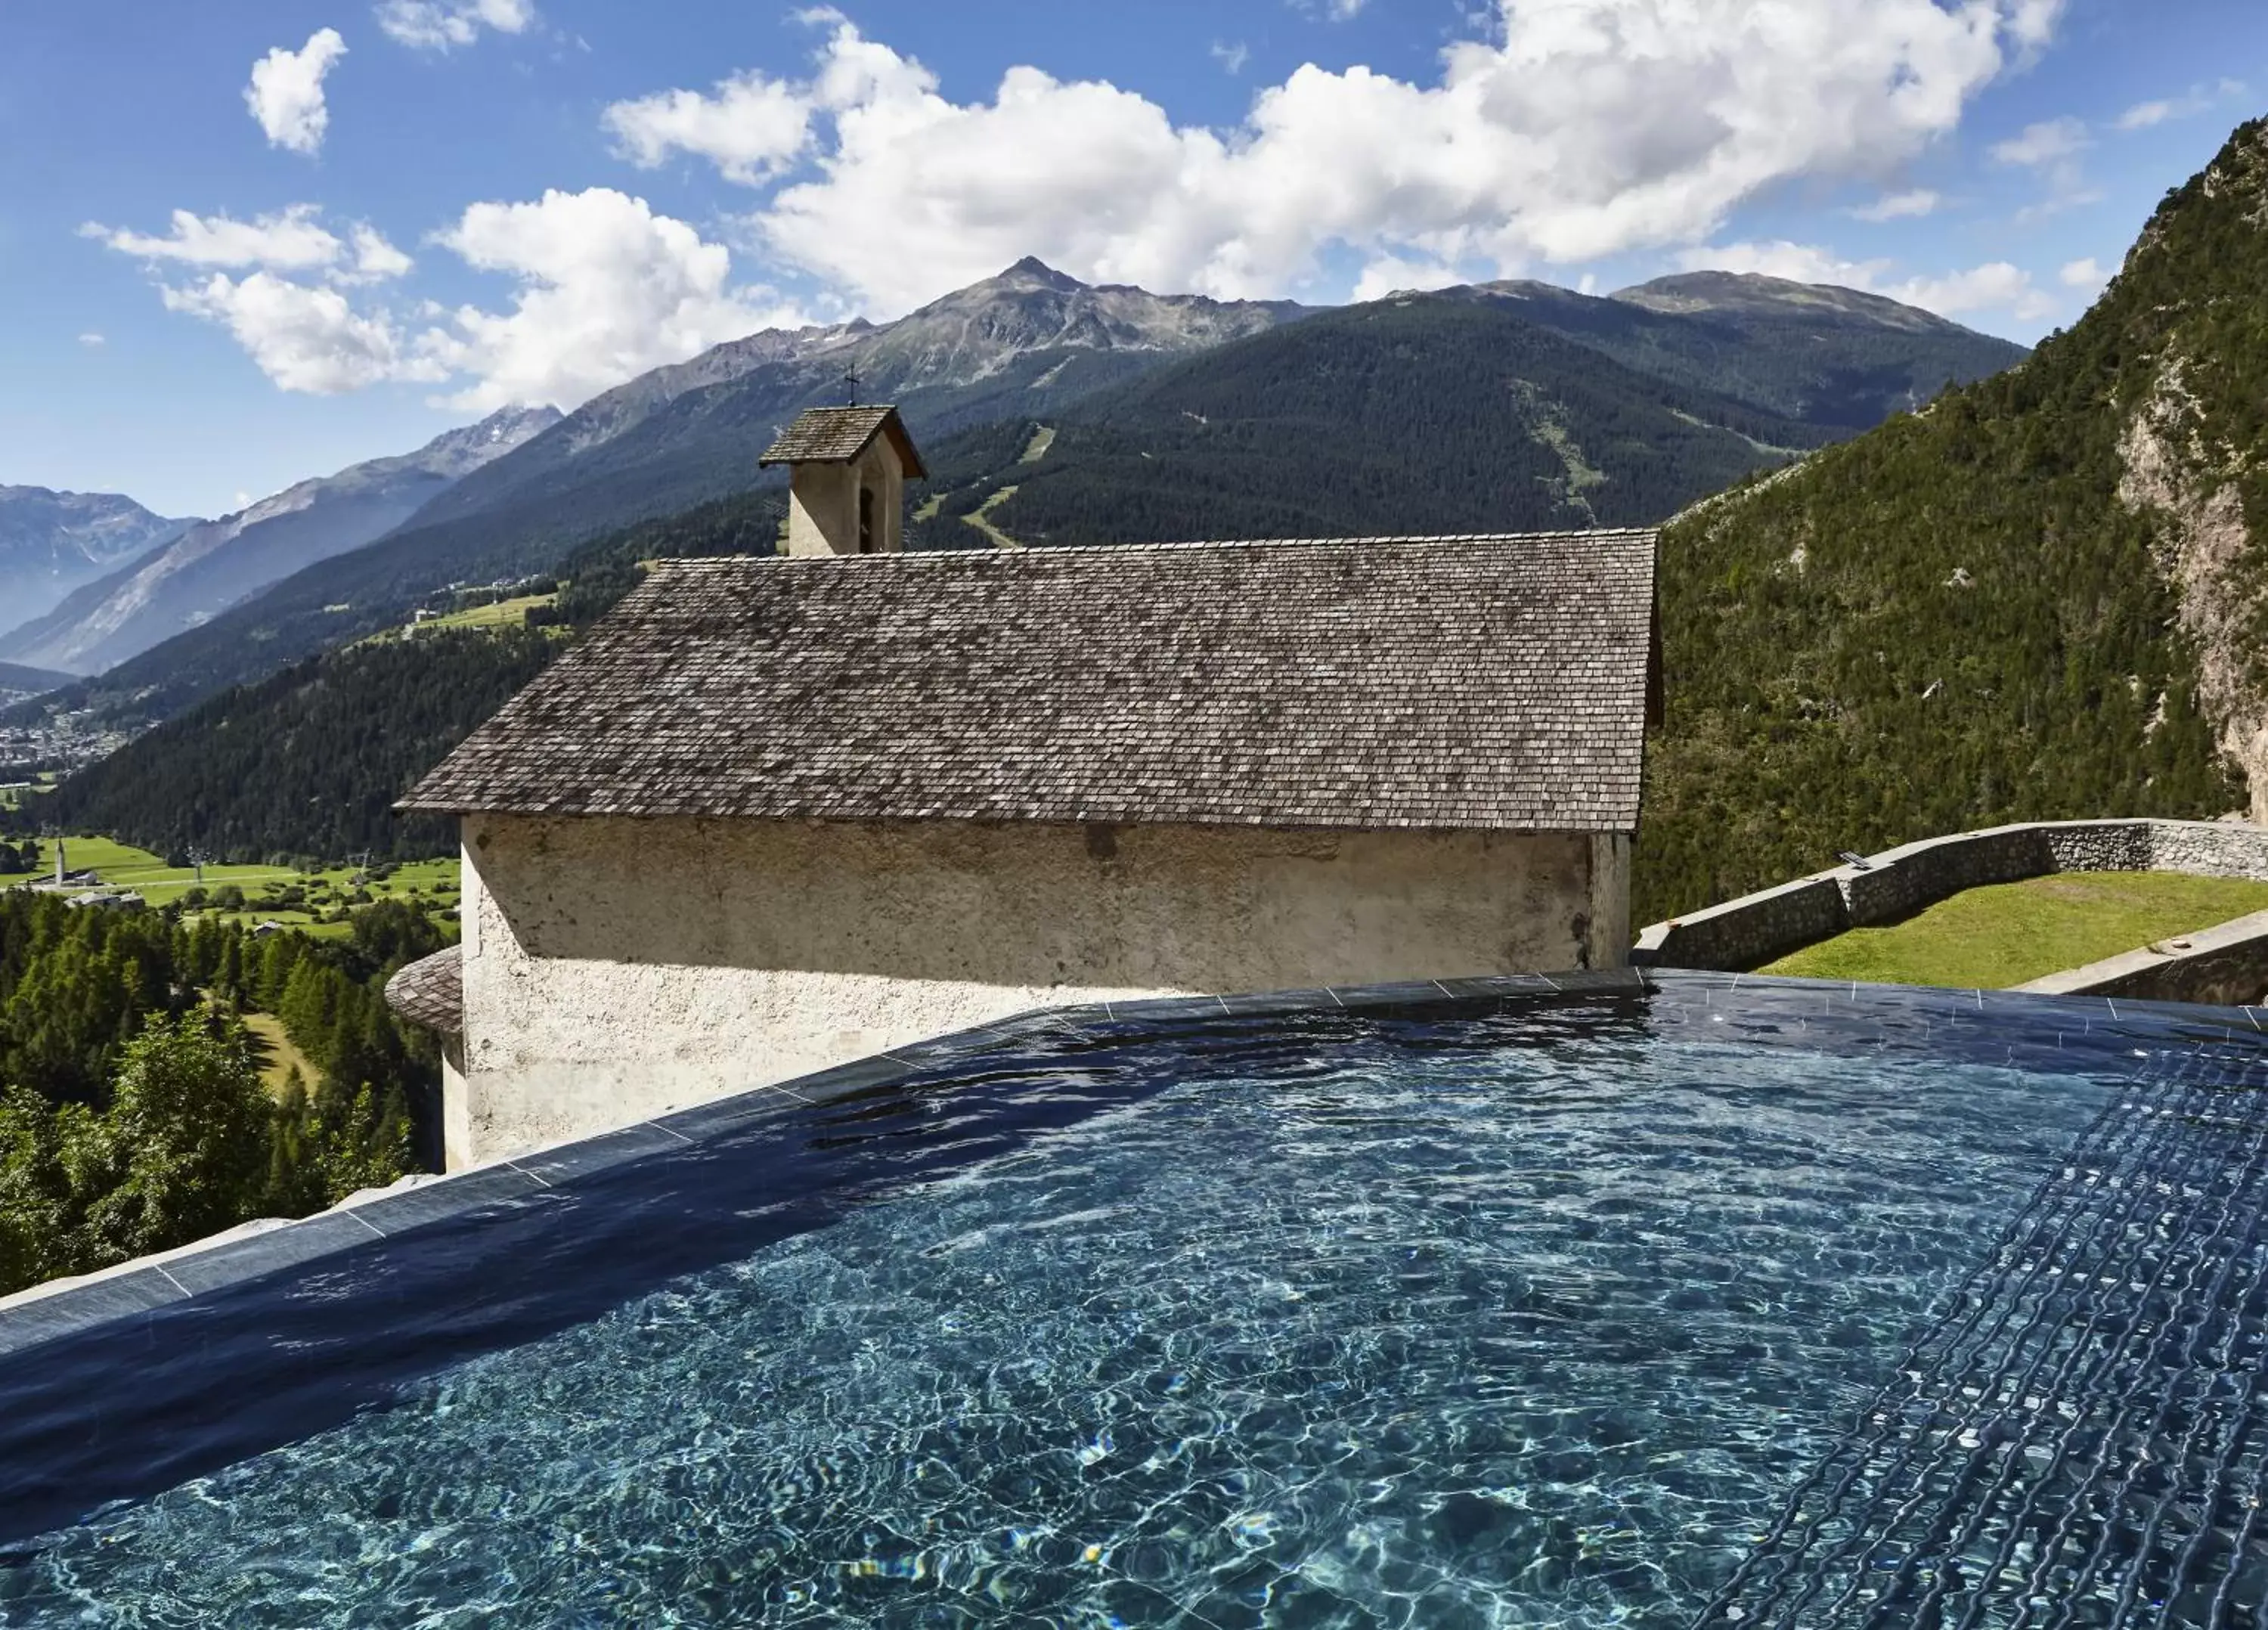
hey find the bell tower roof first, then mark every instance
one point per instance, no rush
(839, 435)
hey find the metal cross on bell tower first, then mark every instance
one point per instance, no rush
(851, 383)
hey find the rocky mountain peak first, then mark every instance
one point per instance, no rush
(456, 452)
(1033, 272)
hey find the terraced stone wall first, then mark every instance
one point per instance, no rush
(1758, 928)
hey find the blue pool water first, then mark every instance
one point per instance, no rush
(1583, 1313)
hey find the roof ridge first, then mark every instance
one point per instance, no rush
(1599, 535)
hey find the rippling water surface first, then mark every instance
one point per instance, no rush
(1487, 1335)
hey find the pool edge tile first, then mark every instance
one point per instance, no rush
(326, 1233)
(117, 1300)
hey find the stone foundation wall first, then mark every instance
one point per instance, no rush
(1758, 928)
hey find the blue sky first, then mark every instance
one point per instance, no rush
(244, 243)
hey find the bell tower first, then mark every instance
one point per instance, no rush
(847, 474)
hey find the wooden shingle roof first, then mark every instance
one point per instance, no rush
(839, 435)
(1494, 683)
(431, 991)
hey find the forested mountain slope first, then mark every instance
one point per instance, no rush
(1501, 405)
(2041, 597)
(307, 763)
(1826, 356)
(16, 680)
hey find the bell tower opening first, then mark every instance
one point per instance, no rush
(865, 518)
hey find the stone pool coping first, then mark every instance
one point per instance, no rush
(62, 1309)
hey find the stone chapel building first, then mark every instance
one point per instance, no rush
(773, 815)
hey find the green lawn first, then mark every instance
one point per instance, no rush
(430, 883)
(2010, 933)
(278, 1055)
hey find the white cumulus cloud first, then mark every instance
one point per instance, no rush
(2052, 148)
(1391, 274)
(305, 338)
(1576, 129)
(286, 92)
(293, 238)
(2204, 98)
(607, 289)
(2050, 142)
(751, 129)
(288, 310)
(2089, 277)
(602, 290)
(444, 25)
(92, 341)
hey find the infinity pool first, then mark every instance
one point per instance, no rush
(1783, 1304)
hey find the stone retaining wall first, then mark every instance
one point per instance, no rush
(1757, 928)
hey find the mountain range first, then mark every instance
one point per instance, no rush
(190, 578)
(50, 543)
(1342, 420)
(1512, 406)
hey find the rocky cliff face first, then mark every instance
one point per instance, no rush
(2204, 548)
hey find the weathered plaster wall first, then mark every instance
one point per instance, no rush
(822, 512)
(616, 968)
(1757, 928)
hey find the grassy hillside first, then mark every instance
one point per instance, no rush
(2009, 934)
(2038, 598)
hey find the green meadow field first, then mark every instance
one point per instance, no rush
(268, 898)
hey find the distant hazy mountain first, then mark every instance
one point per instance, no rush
(1510, 405)
(18, 682)
(215, 564)
(50, 543)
